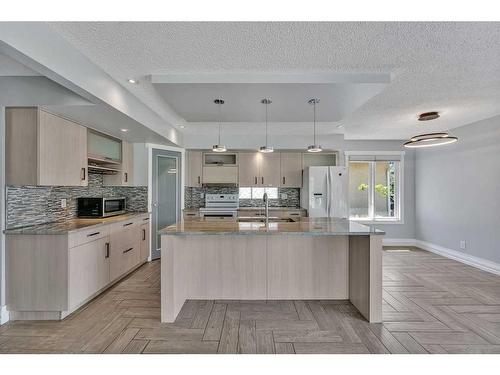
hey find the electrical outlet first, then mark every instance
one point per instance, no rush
(463, 244)
(63, 203)
(202, 195)
(283, 196)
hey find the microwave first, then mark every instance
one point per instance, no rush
(100, 207)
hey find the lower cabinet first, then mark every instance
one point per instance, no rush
(144, 242)
(50, 276)
(125, 248)
(88, 270)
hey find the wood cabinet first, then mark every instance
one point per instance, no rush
(126, 176)
(145, 241)
(194, 168)
(291, 169)
(44, 149)
(220, 176)
(125, 252)
(258, 170)
(270, 169)
(249, 169)
(88, 270)
(50, 276)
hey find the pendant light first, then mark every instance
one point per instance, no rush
(218, 147)
(266, 148)
(314, 147)
(429, 139)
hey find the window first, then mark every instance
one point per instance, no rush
(257, 193)
(375, 187)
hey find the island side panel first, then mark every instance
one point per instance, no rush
(211, 267)
(307, 267)
(365, 276)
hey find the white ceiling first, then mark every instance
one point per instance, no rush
(449, 67)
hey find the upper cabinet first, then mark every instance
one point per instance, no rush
(125, 176)
(44, 149)
(258, 169)
(270, 169)
(220, 169)
(291, 169)
(194, 168)
(249, 169)
(104, 148)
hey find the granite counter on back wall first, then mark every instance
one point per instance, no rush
(193, 198)
(32, 205)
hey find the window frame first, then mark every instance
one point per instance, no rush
(371, 158)
(258, 187)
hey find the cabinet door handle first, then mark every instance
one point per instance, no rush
(126, 225)
(126, 251)
(107, 250)
(262, 180)
(255, 180)
(93, 234)
(144, 234)
(146, 219)
(126, 177)
(199, 180)
(284, 180)
(83, 174)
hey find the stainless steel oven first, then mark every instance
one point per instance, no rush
(100, 207)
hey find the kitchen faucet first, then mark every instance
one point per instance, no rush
(265, 198)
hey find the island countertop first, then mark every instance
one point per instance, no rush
(304, 226)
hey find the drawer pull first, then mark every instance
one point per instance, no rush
(294, 214)
(190, 214)
(93, 234)
(107, 250)
(126, 251)
(126, 225)
(146, 219)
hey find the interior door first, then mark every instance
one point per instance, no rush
(166, 194)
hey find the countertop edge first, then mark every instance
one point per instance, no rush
(38, 230)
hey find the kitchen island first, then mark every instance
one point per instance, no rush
(311, 258)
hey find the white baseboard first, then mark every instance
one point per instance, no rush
(4, 315)
(482, 264)
(399, 242)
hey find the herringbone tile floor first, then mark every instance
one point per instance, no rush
(431, 305)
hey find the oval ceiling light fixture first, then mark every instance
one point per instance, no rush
(124, 130)
(430, 140)
(218, 147)
(266, 149)
(314, 147)
(427, 116)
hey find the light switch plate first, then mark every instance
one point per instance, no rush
(463, 244)
(63, 203)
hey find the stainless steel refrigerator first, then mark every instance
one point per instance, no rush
(325, 192)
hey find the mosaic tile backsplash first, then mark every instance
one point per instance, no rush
(193, 198)
(30, 205)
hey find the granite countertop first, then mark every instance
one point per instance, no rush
(304, 226)
(253, 208)
(70, 226)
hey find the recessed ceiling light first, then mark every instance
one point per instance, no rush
(340, 126)
(124, 130)
(427, 116)
(133, 81)
(182, 126)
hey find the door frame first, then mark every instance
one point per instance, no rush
(150, 147)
